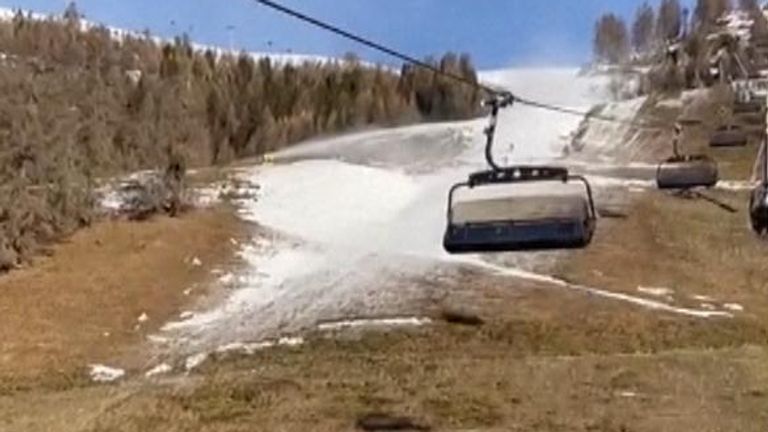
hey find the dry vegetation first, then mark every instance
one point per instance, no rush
(602, 366)
(82, 304)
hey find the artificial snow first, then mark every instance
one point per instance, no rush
(194, 361)
(373, 322)
(656, 292)
(160, 369)
(105, 374)
(347, 223)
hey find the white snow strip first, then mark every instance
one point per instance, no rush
(645, 303)
(656, 292)
(252, 348)
(290, 341)
(160, 340)
(734, 307)
(160, 369)
(227, 279)
(105, 374)
(606, 181)
(373, 322)
(244, 348)
(703, 298)
(194, 361)
(734, 185)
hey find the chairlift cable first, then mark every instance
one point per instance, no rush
(462, 80)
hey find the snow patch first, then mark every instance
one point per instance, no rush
(160, 369)
(194, 361)
(603, 137)
(642, 302)
(373, 322)
(734, 307)
(105, 374)
(330, 201)
(252, 348)
(656, 292)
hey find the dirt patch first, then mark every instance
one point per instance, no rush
(103, 290)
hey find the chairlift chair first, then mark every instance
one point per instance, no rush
(751, 106)
(729, 136)
(758, 202)
(683, 171)
(496, 225)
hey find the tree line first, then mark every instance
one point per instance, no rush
(81, 104)
(615, 41)
(680, 45)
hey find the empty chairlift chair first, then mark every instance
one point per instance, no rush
(729, 136)
(539, 220)
(758, 202)
(681, 171)
(751, 106)
(520, 223)
(747, 101)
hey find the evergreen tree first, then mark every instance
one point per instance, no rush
(669, 22)
(643, 28)
(708, 11)
(611, 42)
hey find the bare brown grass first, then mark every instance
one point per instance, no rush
(81, 305)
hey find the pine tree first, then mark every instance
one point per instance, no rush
(749, 5)
(72, 14)
(643, 29)
(611, 42)
(669, 22)
(708, 11)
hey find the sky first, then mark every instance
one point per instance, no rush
(496, 33)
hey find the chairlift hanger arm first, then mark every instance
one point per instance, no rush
(496, 103)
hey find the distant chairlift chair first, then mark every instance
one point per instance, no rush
(683, 171)
(729, 136)
(518, 223)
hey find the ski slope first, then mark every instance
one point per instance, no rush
(357, 220)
